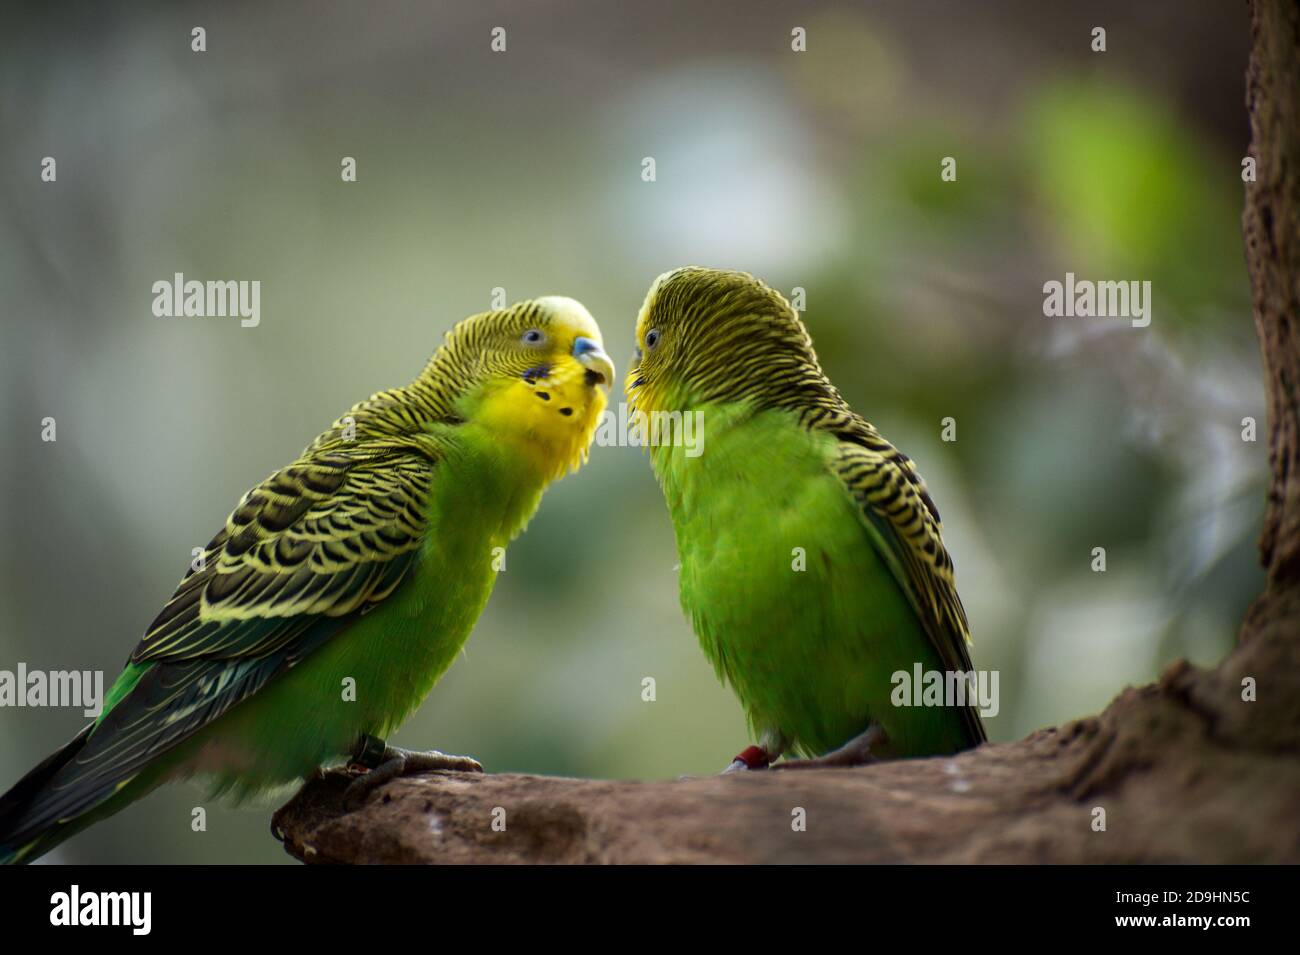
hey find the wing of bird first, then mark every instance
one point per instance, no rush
(904, 525)
(304, 554)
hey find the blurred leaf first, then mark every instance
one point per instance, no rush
(1127, 193)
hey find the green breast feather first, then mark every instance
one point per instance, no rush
(805, 573)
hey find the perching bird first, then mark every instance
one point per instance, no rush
(811, 563)
(341, 587)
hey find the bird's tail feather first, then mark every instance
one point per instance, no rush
(17, 842)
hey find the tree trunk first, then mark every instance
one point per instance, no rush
(1190, 769)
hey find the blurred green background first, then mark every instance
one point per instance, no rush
(522, 170)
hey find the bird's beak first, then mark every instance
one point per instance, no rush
(600, 370)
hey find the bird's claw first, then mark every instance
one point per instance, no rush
(865, 748)
(398, 762)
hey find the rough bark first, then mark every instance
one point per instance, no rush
(1185, 769)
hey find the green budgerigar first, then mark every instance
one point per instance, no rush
(812, 567)
(342, 586)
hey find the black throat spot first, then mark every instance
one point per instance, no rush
(536, 373)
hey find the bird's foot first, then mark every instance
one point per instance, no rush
(749, 758)
(867, 747)
(382, 763)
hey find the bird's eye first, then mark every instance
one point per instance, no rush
(533, 336)
(652, 338)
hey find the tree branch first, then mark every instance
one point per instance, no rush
(1272, 231)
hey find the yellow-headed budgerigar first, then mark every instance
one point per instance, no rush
(364, 564)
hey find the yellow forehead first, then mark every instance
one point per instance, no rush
(569, 317)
